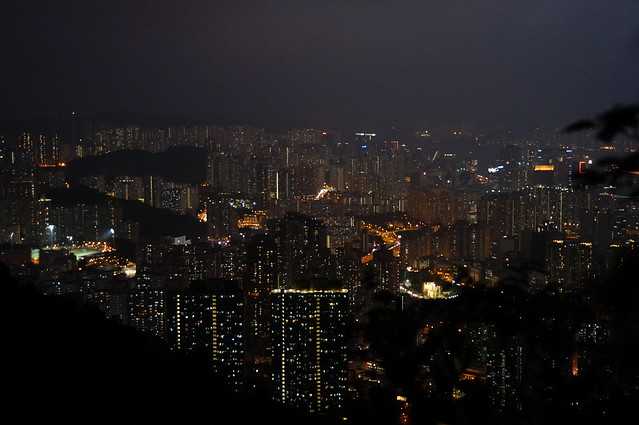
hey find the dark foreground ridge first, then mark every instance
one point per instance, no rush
(67, 362)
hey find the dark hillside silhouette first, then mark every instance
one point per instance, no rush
(154, 222)
(179, 164)
(66, 362)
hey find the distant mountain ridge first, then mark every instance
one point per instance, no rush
(179, 164)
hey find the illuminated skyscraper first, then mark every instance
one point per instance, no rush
(387, 270)
(505, 374)
(47, 150)
(262, 275)
(147, 308)
(25, 151)
(302, 248)
(569, 263)
(207, 319)
(309, 346)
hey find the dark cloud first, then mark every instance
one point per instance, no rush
(333, 63)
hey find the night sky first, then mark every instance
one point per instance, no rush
(345, 63)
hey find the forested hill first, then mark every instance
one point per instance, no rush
(179, 164)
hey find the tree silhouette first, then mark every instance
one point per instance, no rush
(620, 122)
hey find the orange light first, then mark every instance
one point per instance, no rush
(574, 365)
(367, 258)
(544, 167)
(582, 166)
(203, 216)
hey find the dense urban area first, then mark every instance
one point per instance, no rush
(405, 276)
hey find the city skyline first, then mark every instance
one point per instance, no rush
(355, 212)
